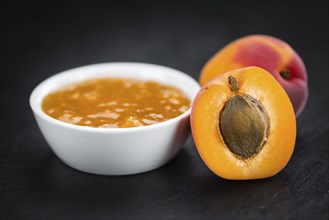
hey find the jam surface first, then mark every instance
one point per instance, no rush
(115, 103)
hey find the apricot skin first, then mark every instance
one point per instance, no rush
(269, 53)
(209, 141)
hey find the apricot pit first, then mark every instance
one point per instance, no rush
(239, 111)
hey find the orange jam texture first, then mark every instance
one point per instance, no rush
(115, 103)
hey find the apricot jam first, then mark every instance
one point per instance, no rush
(115, 103)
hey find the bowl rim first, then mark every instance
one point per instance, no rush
(38, 111)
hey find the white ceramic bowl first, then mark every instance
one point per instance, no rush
(115, 151)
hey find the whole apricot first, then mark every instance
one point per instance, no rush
(243, 124)
(269, 53)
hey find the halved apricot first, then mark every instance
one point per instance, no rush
(243, 124)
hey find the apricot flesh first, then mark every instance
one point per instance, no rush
(269, 53)
(270, 133)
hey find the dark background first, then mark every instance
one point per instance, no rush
(39, 40)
